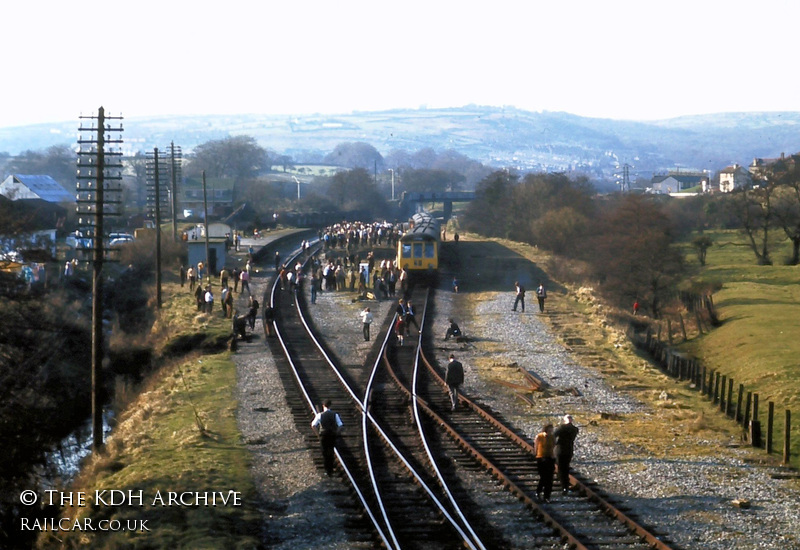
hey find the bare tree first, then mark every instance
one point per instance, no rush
(490, 213)
(57, 161)
(633, 253)
(701, 244)
(424, 179)
(754, 210)
(238, 157)
(786, 174)
(354, 190)
(356, 155)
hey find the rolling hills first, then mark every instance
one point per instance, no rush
(495, 136)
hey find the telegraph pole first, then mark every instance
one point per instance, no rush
(98, 195)
(175, 173)
(205, 222)
(156, 166)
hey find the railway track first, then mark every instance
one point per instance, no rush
(580, 519)
(417, 473)
(392, 502)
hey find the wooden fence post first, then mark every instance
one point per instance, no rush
(683, 327)
(746, 422)
(739, 403)
(703, 388)
(770, 425)
(669, 331)
(787, 430)
(716, 387)
(722, 392)
(729, 409)
(755, 425)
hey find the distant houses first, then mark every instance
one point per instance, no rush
(218, 196)
(730, 178)
(734, 177)
(21, 187)
(677, 183)
(40, 204)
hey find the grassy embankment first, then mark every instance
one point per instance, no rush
(757, 344)
(178, 434)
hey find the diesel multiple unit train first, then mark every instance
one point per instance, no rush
(418, 248)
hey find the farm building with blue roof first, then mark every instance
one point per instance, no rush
(17, 187)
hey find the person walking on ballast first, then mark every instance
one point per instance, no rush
(565, 436)
(454, 377)
(520, 299)
(541, 294)
(328, 425)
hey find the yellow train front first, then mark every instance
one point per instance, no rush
(418, 248)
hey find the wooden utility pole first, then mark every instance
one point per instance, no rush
(175, 171)
(205, 222)
(95, 181)
(156, 166)
(157, 183)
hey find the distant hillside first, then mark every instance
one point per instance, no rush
(498, 137)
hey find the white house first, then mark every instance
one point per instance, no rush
(734, 177)
(18, 187)
(675, 183)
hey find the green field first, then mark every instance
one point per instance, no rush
(758, 343)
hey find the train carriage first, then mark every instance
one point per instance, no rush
(418, 247)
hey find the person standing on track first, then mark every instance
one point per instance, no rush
(366, 318)
(244, 278)
(400, 329)
(268, 316)
(411, 318)
(543, 448)
(454, 377)
(328, 425)
(520, 299)
(565, 436)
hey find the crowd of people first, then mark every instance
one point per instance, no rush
(350, 235)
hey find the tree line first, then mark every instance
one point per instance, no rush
(360, 182)
(626, 244)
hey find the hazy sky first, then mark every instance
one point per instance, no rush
(611, 59)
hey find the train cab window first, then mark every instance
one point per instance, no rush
(406, 250)
(417, 250)
(429, 250)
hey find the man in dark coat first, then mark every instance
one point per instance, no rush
(454, 377)
(328, 425)
(565, 436)
(268, 317)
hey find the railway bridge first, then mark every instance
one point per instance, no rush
(411, 201)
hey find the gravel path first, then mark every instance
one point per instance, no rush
(685, 489)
